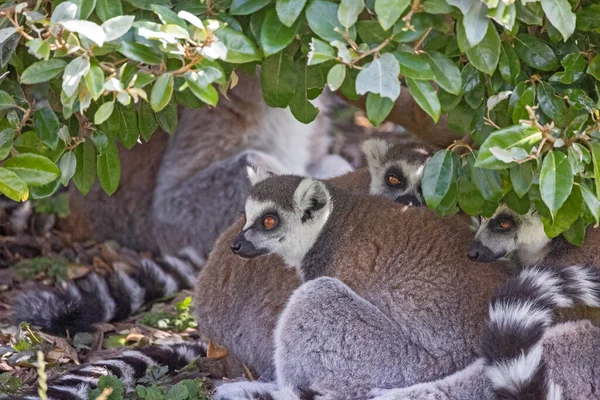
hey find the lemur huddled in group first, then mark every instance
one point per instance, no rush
(328, 289)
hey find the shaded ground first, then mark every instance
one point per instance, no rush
(35, 253)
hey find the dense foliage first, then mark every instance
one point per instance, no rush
(520, 79)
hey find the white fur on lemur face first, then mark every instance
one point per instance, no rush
(396, 171)
(284, 215)
(507, 232)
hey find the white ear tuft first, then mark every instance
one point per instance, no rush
(257, 174)
(311, 195)
(375, 150)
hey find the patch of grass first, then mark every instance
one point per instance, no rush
(9, 384)
(179, 320)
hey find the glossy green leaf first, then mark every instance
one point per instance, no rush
(349, 10)
(475, 22)
(380, 76)
(596, 161)
(552, 106)
(378, 108)
(320, 52)
(103, 112)
(566, 215)
(519, 136)
(594, 67)
(336, 76)
(201, 85)
(140, 53)
(535, 53)
(86, 29)
(85, 173)
(509, 64)
(94, 81)
(591, 201)
(6, 101)
(530, 13)
(300, 106)
(123, 124)
(389, 11)
(425, 96)
(162, 90)
(246, 7)
(470, 199)
(278, 79)
(473, 88)
(487, 181)
(167, 118)
(446, 73)
(485, 55)
(527, 99)
(322, 18)
(275, 36)
(46, 125)
(521, 177)
(239, 48)
(505, 15)
(107, 9)
(33, 169)
(7, 137)
(574, 65)
(147, 121)
(288, 11)
(520, 205)
(67, 166)
(12, 186)
(560, 16)
(109, 169)
(576, 233)
(438, 175)
(436, 7)
(43, 71)
(556, 180)
(414, 66)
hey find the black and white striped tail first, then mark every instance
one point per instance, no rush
(520, 313)
(128, 366)
(113, 297)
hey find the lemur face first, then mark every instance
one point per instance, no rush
(507, 232)
(396, 171)
(284, 215)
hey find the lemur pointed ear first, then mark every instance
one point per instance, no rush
(375, 150)
(310, 196)
(257, 174)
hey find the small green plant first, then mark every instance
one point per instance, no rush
(109, 381)
(54, 268)
(188, 389)
(26, 338)
(9, 384)
(179, 320)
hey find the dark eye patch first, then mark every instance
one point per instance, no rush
(503, 223)
(396, 173)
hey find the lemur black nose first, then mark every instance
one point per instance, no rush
(473, 254)
(235, 245)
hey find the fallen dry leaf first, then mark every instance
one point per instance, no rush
(215, 352)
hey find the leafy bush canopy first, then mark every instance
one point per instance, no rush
(520, 78)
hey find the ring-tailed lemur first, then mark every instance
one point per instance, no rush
(128, 366)
(237, 301)
(400, 281)
(523, 356)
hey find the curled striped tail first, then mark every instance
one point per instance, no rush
(128, 366)
(520, 313)
(113, 297)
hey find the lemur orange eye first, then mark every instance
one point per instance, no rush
(393, 180)
(269, 222)
(505, 224)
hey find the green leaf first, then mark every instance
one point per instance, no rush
(472, 86)
(520, 205)
(560, 16)
(526, 99)
(288, 11)
(438, 176)
(470, 199)
(535, 53)
(322, 18)
(437, 7)
(85, 174)
(86, 8)
(239, 48)
(87, 29)
(7, 137)
(531, 13)
(556, 180)
(425, 96)
(552, 106)
(587, 18)
(413, 66)
(488, 182)
(576, 233)
(275, 36)
(42, 71)
(596, 161)
(278, 79)
(378, 108)
(123, 124)
(594, 67)
(336, 76)
(349, 10)
(574, 65)
(200, 85)
(485, 55)
(33, 169)
(12, 186)
(446, 73)
(475, 22)
(161, 92)
(147, 121)
(167, 118)
(389, 11)
(566, 215)
(320, 52)
(300, 107)
(109, 168)
(591, 201)
(94, 81)
(74, 71)
(100, 140)
(116, 27)
(107, 9)
(380, 76)
(46, 124)
(103, 112)
(140, 53)
(67, 166)
(505, 15)
(246, 7)
(519, 136)
(6, 101)
(521, 177)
